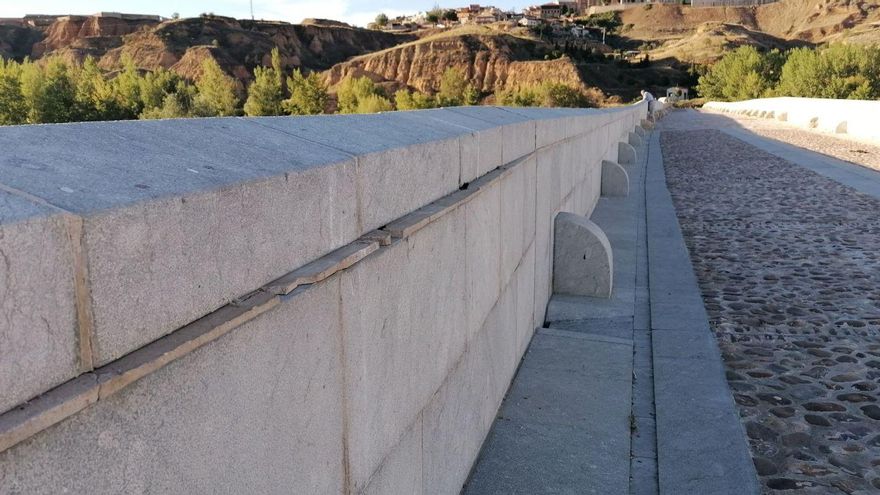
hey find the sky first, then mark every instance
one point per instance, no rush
(357, 12)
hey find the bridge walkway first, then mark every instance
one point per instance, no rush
(627, 394)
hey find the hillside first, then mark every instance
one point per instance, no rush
(702, 34)
(238, 45)
(491, 59)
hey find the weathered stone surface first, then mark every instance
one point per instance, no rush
(517, 216)
(626, 154)
(480, 144)
(404, 312)
(401, 471)
(259, 410)
(635, 140)
(484, 246)
(38, 323)
(565, 424)
(582, 258)
(615, 180)
(517, 134)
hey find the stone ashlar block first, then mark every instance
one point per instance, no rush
(524, 278)
(257, 411)
(401, 471)
(404, 311)
(174, 229)
(518, 131)
(39, 343)
(457, 420)
(403, 163)
(615, 180)
(483, 255)
(517, 215)
(582, 257)
(480, 143)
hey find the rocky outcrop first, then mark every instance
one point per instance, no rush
(490, 61)
(181, 45)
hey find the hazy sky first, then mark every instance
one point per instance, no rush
(358, 12)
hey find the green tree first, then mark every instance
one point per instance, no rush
(308, 94)
(127, 86)
(610, 21)
(216, 92)
(48, 91)
(453, 86)
(157, 85)
(373, 104)
(837, 71)
(433, 16)
(471, 95)
(742, 74)
(95, 96)
(266, 92)
(177, 102)
(352, 91)
(381, 20)
(406, 100)
(450, 16)
(13, 109)
(546, 94)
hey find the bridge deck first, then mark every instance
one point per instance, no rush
(783, 242)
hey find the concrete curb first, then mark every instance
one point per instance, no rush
(701, 443)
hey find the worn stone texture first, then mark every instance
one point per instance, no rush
(258, 411)
(401, 471)
(484, 246)
(626, 154)
(615, 180)
(38, 326)
(404, 317)
(582, 258)
(517, 131)
(409, 350)
(194, 246)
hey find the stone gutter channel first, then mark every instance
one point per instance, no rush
(69, 398)
(626, 394)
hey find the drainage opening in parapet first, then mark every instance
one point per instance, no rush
(464, 186)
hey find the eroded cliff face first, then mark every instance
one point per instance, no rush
(490, 62)
(181, 45)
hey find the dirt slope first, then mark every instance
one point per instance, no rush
(182, 44)
(490, 59)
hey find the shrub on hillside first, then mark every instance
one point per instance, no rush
(838, 71)
(742, 74)
(547, 94)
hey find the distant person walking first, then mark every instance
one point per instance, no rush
(646, 96)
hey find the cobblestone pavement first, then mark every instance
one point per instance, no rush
(789, 266)
(867, 155)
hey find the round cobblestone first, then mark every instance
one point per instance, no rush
(788, 263)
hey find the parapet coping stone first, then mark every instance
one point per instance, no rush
(73, 396)
(701, 442)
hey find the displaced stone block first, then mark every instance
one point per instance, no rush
(39, 341)
(582, 258)
(615, 180)
(626, 154)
